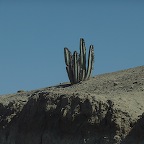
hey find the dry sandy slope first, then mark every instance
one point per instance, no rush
(107, 109)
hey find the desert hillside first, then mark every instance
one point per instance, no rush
(106, 109)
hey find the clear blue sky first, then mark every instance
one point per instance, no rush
(33, 34)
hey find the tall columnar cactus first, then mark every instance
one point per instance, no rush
(76, 63)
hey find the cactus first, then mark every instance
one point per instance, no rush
(76, 64)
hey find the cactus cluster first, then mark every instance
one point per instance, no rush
(76, 66)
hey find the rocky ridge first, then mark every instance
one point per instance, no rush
(106, 109)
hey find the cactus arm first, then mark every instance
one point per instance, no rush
(81, 51)
(67, 55)
(84, 53)
(75, 66)
(78, 68)
(90, 61)
(68, 62)
(82, 59)
(70, 74)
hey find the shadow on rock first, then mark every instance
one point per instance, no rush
(136, 135)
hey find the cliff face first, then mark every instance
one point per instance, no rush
(107, 109)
